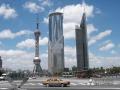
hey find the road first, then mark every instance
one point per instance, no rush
(76, 84)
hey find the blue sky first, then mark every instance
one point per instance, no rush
(18, 22)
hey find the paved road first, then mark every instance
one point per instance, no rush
(76, 84)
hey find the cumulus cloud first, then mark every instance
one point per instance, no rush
(46, 3)
(73, 13)
(33, 7)
(20, 59)
(45, 20)
(70, 56)
(98, 37)
(7, 12)
(30, 43)
(98, 61)
(8, 34)
(107, 46)
(69, 30)
(12, 53)
(94, 60)
(72, 16)
(90, 29)
(44, 41)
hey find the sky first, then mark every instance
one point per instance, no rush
(18, 23)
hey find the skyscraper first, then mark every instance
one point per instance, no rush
(37, 68)
(81, 45)
(56, 43)
(0, 63)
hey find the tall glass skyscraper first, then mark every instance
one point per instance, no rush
(82, 45)
(0, 63)
(56, 43)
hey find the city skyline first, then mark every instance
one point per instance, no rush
(18, 19)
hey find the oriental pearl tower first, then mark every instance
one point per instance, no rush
(37, 67)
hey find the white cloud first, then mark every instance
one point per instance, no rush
(47, 3)
(33, 7)
(45, 20)
(94, 60)
(44, 41)
(70, 56)
(103, 34)
(107, 46)
(72, 15)
(20, 59)
(98, 11)
(69, 30)
(70, 51)
(90, 29)
(44, 60)
(98, 61)
(7, 12)
(30, 43)
(12, 53)
(98, 37)
(8, 34)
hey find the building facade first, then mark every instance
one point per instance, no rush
(82, 45)
(56, 43)
(0, 63)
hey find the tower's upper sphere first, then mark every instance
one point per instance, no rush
(37, 33)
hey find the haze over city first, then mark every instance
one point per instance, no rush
(18, 23)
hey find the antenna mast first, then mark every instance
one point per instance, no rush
(37, 21)
(84, 6)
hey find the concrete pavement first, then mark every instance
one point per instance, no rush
(76, 84)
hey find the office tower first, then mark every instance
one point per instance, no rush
(56, 43)
(0, 63)
(81, 45)
(37, 68)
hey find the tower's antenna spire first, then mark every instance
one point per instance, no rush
(83, 6)
(37, 21)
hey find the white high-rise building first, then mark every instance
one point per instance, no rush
(56, 43)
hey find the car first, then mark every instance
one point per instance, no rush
(55, 82)
(33, 77)
(30, 78)
(2, 78)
